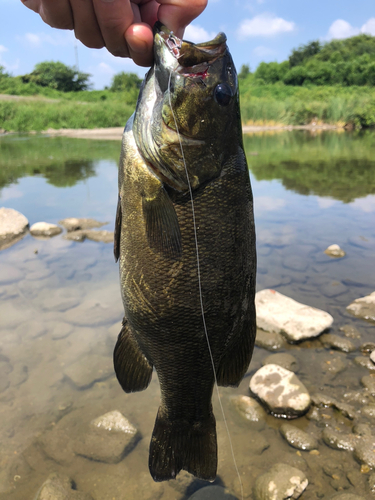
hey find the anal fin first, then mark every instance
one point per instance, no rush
(162, 227)
(116, 247)
(133, 370)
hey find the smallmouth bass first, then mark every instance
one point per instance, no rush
(186, 129)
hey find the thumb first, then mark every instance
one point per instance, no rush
(177, 14)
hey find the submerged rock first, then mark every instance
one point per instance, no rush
(368, 382)
(58, 487)
(346, 496)
(73, 223)
(338, 440)
(364, 307)
(281, 482)
(45, 229)
(88, 370)
(186, 483)
(372, 356)
(350, 331)
(107, 438)
(325, 400)
(364, 452)
(364, 362)
(285, 360)
(298, 438)
(296, 321)
(269, 340)
(13, 227)
(335, 342)
(93, 235)
(212, 493)
(281, 391)
(249, 409)
(334, 251)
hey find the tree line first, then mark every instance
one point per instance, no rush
(340, 62)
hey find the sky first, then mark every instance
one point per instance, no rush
(257, 30)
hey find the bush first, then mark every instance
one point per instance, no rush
(58, 76)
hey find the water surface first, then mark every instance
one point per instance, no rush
(60, 310)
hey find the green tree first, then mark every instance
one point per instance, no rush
(271, 72)
(298, 56)
(3, 73)
(125, 81)
(244, 71)
(58, 76)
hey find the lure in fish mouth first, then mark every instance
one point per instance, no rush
(185, 133)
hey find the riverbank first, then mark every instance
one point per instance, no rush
(115, 133)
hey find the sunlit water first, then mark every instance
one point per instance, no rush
(60, 311)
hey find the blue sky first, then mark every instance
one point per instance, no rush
(257, 30)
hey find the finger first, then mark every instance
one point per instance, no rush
(114, 18)
(32, 5)
(177, 14)
(86, 26)
(140, 39)
(56, 14)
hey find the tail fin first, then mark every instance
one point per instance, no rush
(177, 445)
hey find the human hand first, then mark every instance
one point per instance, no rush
(123, 26)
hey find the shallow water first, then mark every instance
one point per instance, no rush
(60, 310)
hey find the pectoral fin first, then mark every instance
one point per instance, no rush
(162, 227)
(116, 247)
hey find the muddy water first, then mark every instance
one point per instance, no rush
(60, 310)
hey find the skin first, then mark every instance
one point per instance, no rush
(123, 26)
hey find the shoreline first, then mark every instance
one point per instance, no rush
(115, 133)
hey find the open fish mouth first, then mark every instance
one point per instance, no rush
(193, 59)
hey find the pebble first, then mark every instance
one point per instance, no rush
(368, 410)
(298, 438)
(296, 321)
(74, 224)
(325, 400)
(45, 229)
(372, 356)
(88, 370)
(332, 341)
(334, 365)
(363, 430)
(250, 410)
(334, 251)
(13, 227)
(364, 307)
(281, 482)
(338, 440)
(108, 438)
(364, 362)
(367, 347)
(285, 360)
(281, 391)
(186, 483)
(368, 381)
(212, 493)
(371, 482)
(346, 496)
(364, 453)
(59, 487)
(350, 331)
(269, 340)
(82, 234)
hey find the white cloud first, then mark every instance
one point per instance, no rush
(342, 29)
(105, 69)
(326, 202)
(369, 27)
(366, 204)
(262, 51)
(264, 25)
(3, 49)
(60, 39)
(266, 203)
(197, 34)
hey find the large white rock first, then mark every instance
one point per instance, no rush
(280, 391)
(280, 314)
(13, 226)
(45, 229)
(364, 307)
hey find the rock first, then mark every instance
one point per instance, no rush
(332, 341)
(281, 391)
(45, 229)
(81, 235)
(61, 330)
(364, 452)
(346, 496)
(296, 321)
(371, 482)
(350, 331)
(250, 410)
(298, 438)
(285, 360)
(75, 236)
(363, 430)
(186, 483)
(58, 487)
(368, 382)
(368, 410)
(334, 365)
(212, 493)
(88, 370)
(13, 227)
(364, 307)
(334, 251)
(73, 224)
(269, 340)
(324, 400)
(279, 483)
(372, 356)
(364, 362)
(338, 440)
(107, 439)
(368, 347)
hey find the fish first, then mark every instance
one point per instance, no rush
(185, 241)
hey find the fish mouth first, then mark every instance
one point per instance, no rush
(193, 59)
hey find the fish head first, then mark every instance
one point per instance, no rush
(193, 121)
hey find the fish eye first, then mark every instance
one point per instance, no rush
(223, 94)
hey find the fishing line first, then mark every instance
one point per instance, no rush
(200, 287)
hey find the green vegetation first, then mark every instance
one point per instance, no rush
(340, 166)
(326, 83)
